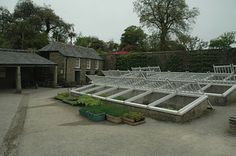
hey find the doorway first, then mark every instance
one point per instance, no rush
(87, 79)
(77, 77)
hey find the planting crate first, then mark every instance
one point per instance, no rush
(232, 124)
(70, 102)
(114, 119)
(96, 117)
(83, 112)
(132, 122)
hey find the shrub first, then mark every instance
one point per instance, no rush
(136, 116)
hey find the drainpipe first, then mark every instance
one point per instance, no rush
(66, 70)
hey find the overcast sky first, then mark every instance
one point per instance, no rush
(107, 19)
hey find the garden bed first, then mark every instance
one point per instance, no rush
(217, 89)
(112, 92)
(97, 90)
(129, 95)
(150, 98)
(177, 102)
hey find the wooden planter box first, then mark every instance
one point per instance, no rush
(114, 119)
(132, 122)
(232, 124)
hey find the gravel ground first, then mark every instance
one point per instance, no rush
(8, 108)
(55, 129)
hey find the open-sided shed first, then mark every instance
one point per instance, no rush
(21, 68)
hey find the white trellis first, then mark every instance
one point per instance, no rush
(155, 69)
(225, 69)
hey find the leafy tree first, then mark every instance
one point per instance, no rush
(91, 42)
(112, 46)
(191, 43)
(173, 45)
(3, 42)
(134, 37)
(32, 26)
(165, 16)
(153, 41)
(223, 41)
(5, 19)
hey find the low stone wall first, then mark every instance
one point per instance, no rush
(223, 101)
(196, 112)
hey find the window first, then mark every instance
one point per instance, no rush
(2, 73)
(88, 64)
(77, 64)
(97, 64)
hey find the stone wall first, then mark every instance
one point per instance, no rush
(60, 60)
(68, 74)
(194, 113)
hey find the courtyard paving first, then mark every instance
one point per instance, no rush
(52, 128)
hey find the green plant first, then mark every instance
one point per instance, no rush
(122, 98)
(72, 98)
(95, 111)
(171, 107)
(104, 95)
(61, 96)
(114, 110)
(88, 101)
(136, 116)
(108, 109)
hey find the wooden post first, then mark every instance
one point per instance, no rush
(55, 77)
(18, 80)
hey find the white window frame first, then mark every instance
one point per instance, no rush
(77, 65)
(97, 64)
(88, 64)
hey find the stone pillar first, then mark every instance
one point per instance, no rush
(18, 79)
(55, 77)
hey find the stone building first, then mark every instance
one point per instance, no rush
(24, 69)
(74, 63)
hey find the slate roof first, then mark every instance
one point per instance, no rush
(71, 50)
(21, 57)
